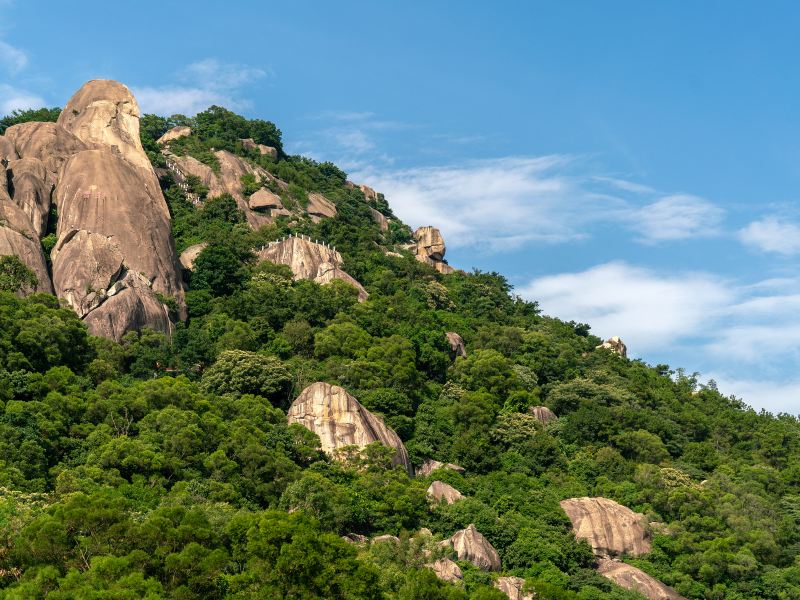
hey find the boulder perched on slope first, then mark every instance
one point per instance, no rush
(634, 579)
(430, 248)
(470, 545)
(616, 345)
(429, 466)
(175, 133)
(544, 415)
(446, 570)
(340, 420)
(457, 345)
(440, 491)
(610, 528)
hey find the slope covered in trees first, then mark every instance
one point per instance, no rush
(163, 467)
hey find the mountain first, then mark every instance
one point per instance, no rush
(229, 372)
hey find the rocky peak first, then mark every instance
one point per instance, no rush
(340, 420)
(616, 345)
(610, 528)
(470, 545)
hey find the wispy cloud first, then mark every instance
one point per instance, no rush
(675, 217)
(12, 98)
(12, 59)
(203, 84)
(772, 234)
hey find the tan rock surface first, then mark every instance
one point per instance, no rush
(310, 260)
(264, 199)
(457, 345)
(340, 420)
(631, 578)
(429, 466)
(191, 253)
(446, 570)
(250, 144)
(32, 191)
(616, 345)
(48, 142)
(544, 415)
(392, 539)
(443, 492)
(175, 133)
(430, 248)
(320, 207)
(29, 252)
(512, 587)
(610, 528)
(380, 219)
(470, 545)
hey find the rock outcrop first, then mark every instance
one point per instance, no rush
(439, 491)
(544, 415)
(381, 539)
(430, 248)
(190, 255)
(114, 255)
(340, 420)
(262, 149)
(320, 207)
(446, 570)
(429, 466)
(457, 345)
(610, 528)
(631, 578)
(380, 219)
(616, 345)
(310, 260)
(470, 545)
(512, 587)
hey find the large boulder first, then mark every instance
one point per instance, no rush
(512, 587)
(190, 255)
(470, 545)
(175, 133)
(310, 260)
(544, 415)
(634, 579)
(430, 248)
(48, 142)
(610, 528)
(616, 345)
(439, 491)
(320, 207)
(340, 420)
(457, 345)
(446, 570)
(29, 251)
(262, 149)
(32, 190)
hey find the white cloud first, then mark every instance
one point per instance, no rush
(205, 83)
(12, 98)
(676, 217)
(646, 309)
(775, 396)
(772, 235)
(12, 59)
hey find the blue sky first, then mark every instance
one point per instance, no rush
(634, 165)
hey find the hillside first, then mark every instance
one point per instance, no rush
(229, 372)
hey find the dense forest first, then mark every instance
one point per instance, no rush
(163, 466)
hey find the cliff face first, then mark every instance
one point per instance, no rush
(340, 420)
(114, 252)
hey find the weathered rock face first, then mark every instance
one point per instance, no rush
(380, 219)
(512, 587)
(382, 539)
(446, 570)
(470, 545)
(264, 199)
(610, 528)
(320, 207)
(616, 345)
(430, 465)
(430, 248)
(175, 133)
(457, 345)
(340, 420)
(631, 578)
(310, 260)
(544, 415)
(114, 252)
(440, 491)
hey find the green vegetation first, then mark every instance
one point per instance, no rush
(24, 116)
(164, 468)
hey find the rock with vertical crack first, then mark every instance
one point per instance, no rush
(457, 345)
(634, 579)
(513, 588)
(340, 420)
(610, 528)
(544, 415)
(29, 251)
(470, 545)
(439, 491)
(430, 248)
